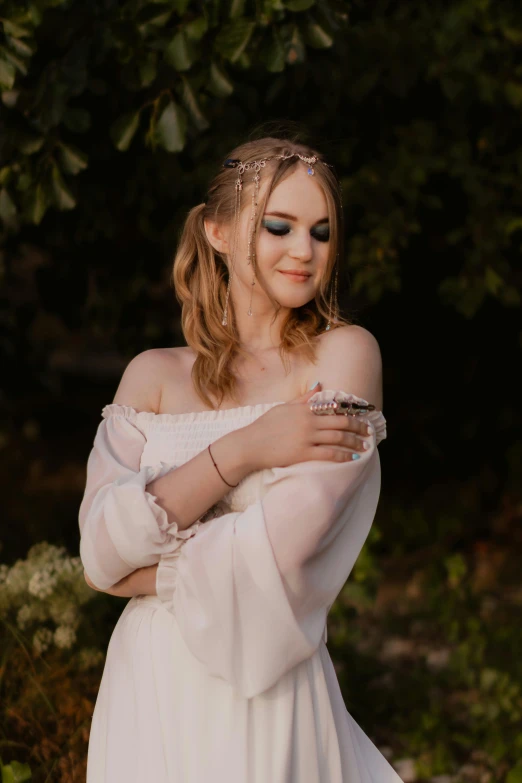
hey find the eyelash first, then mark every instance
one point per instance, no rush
(282, 232)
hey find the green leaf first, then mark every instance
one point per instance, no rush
(38, 204)
(492, 281)
(191, 103)
(18, 62)
(299, 5)
(219, 83)
(7, 75)
(178, 52)
(514, 225)
(237, 8)
(275, 54)
(515, 774)
(10, 28)
(196, 29)
(63, 197)
(151, 17)
(28, 144)
(512, 34)
(148, 69)
(180, 6)
(123, 129)
(7, 207)
(171, 127)
(15, 772)
(72, 159)
(24, 182)
(21, 47)
(6, 174)
(317, 37)
(513, 91)
(233, 38)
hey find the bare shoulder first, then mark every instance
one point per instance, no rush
(142, 382)
(349, 358)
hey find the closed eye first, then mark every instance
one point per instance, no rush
(278, 229)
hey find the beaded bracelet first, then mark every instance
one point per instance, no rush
(212, 458)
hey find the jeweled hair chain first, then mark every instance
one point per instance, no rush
(257, 165)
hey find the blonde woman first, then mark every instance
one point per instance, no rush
(229, 500)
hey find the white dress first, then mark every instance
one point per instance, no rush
(225, 676)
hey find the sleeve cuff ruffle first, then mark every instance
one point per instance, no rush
(166, 576)
(131, 528)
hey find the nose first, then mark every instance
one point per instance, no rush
(302, 246)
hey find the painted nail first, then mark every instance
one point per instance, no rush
(313, 387)
(356, 456)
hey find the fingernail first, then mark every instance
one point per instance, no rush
(313, 387)
(356, 456)
(365, 445)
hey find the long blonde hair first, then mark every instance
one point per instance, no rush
(200, 273)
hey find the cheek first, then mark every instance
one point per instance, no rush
(269, 248)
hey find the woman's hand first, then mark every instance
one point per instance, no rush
(290, 433)
(139, 582)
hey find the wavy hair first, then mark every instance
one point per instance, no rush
(200, 273)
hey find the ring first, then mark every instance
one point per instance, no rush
(340, 408)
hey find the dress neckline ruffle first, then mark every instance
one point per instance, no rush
(243, 412)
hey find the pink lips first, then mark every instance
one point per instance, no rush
(297, 278)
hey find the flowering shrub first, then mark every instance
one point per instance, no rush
(43, 595)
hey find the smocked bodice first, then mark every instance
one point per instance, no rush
(175, 438)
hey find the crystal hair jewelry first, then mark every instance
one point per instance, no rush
(256, 166)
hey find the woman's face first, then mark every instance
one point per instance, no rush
(294, 235)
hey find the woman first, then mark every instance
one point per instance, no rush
(222, 500)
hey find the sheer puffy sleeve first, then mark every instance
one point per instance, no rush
(122, 527)
(251, 592)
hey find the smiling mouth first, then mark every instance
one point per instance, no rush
(295, 275)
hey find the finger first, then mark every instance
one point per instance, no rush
(332, 454)
(345, 424)
(345, 440)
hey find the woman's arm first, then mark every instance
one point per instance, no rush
(139, 582)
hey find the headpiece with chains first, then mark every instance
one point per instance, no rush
(256, 166)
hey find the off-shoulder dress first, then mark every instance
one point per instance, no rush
(225, 676)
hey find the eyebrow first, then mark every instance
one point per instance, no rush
(292, 217)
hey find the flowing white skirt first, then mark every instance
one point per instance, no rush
(160, 716)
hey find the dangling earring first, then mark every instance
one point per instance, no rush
(332, 314)
(336, 303)
(237, 210)
(251, 252)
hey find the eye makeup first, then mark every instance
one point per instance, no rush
(280, 228)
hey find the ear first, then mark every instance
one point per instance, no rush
(217, 235)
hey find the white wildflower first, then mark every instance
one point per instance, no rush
(46, 553)
(16, 580)
(24, 617)
(41, 640)
(63, 611)
(90, 657)
(406, 770)
(43, 582)
(438, 659)
(64, 637)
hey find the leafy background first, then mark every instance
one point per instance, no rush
(113, 117)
